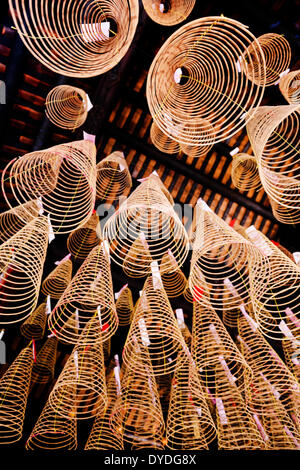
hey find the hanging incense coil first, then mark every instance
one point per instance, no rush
(113, 177)
(154, 332)
(64, 177)
(204, 131)
(274, 136)
(162, 141)
(83, 39)
(277, 57)
(53, 432)
(80, 390)
(15, 219)
(44, 366)
(125, 307)
(188, 82)
(189, 425)
(82, 240)
(34, 326)
(289, 86)
(144, 228)
(21, 267)
(173, 279)
(281, 432)
(213, 350)
(67, 106)
(58, 280)
(14, 389)
(89, 295)
(244, 172)
(168, 12)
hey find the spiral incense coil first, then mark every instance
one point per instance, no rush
(67, 106)
(189, 425)
(268, 369)
(277, 57)
(162, 141)
(125, 307)
(34, 326)
(89, 295)
(168, 12)
(203, 130)
(144, 228)
(154, 332)
(64, 177)
(53, 432)
(281, 432)
(82, 240)
(289, 86)
(44, 367)
(187, 294)
(274, 136)
(15, 219)
(81, 386)
(14, 389)
(21, 267)
(58, 280)
(113, 177)
(188, 82)
(244, 172)
(213, 350)
(173, 279)
(291, 351)
(83, 39)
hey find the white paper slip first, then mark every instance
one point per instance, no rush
(117, 294)
(144, 332)
(296, 256)
(157, 282)
(213, 331)
(77, 319)
(66, 258)
(89, 105)
(99, 316)
(76, 364)
(234, 151)
(40, 206)
(117, 360)
(203, 204)
(180, 318)
(260, 428)
(117, 378)
(51, 233)
(228, 284)
(281, 75)
(221, 411)
(1, 334)
(252, 323)
(285, 330)
(89, 137)
(106, 250)
(258, 240)
(91, 32)
(48, 305)
(229, 375)
(141, 180)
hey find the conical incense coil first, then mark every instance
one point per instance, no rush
(21, 267)
(82, 39)
(154, 332)
(63, 177)
(244, 172)
(113, 177)
(89, 294)
(124, 306)
(163, 142)
(291, 351)
(277, 57)
(188, 81)
(189, 424)
(14, 389)
(173, 279)
(220, 261)
(274, 136)
(53, 432)
(67, 106)
(213, 351)
(58, 280)
(204, 130)
(34, 326)
(15, 219)
(80, 390)
(269, 371)
(82, 240)
(144, 228)
(44, 366)
(281, 432)
(289, 86)
(187, 294)
(168, 12)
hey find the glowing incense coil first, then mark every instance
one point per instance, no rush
(43, 368)
(281, 431)
(89, 295)
(213, 350)
(82, 39)
(67, 106)
(113, 177)
(173, 279)
(189, 425)
(244, 172)
(15, 219)
(14, 389)
(274, 136)
(64, 177)
(144, 228)
(80, 390)
(154, 332)
(21, 267)
(53, 432)
(289, 86)
(125, 307)
(34, 326)
(58, 280)
(196, 78)
(82, 240)
(168, 12)
(277, 57)
(162, 141)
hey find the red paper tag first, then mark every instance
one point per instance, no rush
(232, 222)
(33, 350)
(197, 293)
(275, 243)
(105, 327)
